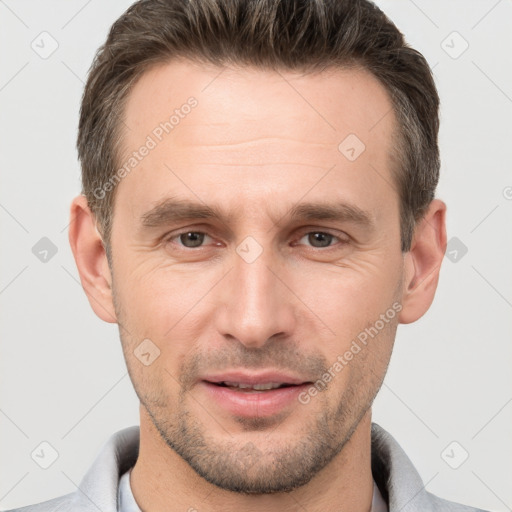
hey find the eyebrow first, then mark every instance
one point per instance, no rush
(335, 212)
(173, 210)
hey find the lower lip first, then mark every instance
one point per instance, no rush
(253, 403)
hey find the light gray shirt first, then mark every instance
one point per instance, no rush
(126, 502)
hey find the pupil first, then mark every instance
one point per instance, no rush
(192, 239)
(320, 239)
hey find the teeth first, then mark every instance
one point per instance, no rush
(258, 387)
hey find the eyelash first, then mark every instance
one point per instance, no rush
(170, 238)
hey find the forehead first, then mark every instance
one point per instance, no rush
(213, 128)
(334, 100)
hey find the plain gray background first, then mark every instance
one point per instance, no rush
(63, 378)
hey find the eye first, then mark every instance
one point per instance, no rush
(189, 239)
(320, 239)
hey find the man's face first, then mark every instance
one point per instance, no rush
(304, 257)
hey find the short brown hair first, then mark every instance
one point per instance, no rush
(270, 34)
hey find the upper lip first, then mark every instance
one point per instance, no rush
(244, 377)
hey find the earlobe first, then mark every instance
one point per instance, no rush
(91, 259)
(422, 263)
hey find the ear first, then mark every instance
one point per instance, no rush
(91, 260)
(423, 263)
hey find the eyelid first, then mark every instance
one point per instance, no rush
(171, 236)
(341, 236)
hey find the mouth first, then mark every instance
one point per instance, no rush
(253, 395)
(252, 388)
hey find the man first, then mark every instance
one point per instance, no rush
(258, 216)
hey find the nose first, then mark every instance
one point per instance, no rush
(255, 304)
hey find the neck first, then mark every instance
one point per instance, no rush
(162, 481)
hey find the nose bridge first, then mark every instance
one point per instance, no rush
(255, 304)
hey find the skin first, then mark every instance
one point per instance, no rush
(257, 144)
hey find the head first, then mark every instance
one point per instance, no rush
(258, 195)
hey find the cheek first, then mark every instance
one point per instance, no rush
(162, 301)
(358, 343)
(348, 297)
(364, 360)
